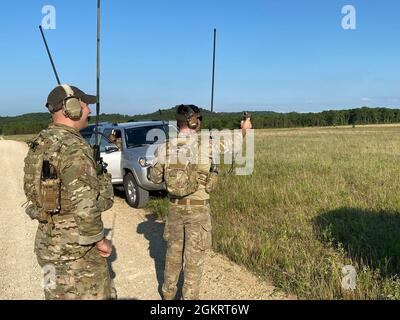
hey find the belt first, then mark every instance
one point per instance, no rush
(188, 202)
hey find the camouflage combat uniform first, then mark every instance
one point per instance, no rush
(65, 241)
(187, 228)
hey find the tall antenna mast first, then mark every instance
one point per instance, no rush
(98, 72)
(213, 71)
(50, 57)
(213, 164)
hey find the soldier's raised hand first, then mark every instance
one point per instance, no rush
(246, 124)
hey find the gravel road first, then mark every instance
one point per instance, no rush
(139, 250)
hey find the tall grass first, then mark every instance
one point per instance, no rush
(319, 199)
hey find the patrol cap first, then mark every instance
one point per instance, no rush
(58, 94)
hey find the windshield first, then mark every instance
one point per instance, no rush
(137, 137)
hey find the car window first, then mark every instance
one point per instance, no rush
(107, 132)
(136, 137)
(103, 141)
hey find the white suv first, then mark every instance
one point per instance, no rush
(129, 160)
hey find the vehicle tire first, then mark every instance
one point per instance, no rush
(135, 196)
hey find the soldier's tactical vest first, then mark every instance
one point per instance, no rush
(180, 173)
(44, 192)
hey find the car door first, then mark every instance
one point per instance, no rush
(111, 155)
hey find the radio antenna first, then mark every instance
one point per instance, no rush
(50, 57)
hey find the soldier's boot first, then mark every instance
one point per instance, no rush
(168, 293)
(114, 294)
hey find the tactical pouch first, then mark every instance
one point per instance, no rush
(50, 195)
(105, 200)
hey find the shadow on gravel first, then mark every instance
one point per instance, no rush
(111, 258)
(153, 231)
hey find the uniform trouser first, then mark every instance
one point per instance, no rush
(87, 278)
(188, 233)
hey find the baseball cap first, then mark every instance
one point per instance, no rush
(58, 94)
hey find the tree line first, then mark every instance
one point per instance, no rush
(34, 122)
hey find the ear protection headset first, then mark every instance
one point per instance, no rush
(190, 117)
(71, 105)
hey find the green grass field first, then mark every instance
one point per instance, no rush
(319, 199)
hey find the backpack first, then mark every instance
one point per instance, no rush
(44, 195)
(180, 173)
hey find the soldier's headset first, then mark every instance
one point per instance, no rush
(71, 105)
(246, 115)
(190, 117)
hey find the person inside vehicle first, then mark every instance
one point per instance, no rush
(115, 138)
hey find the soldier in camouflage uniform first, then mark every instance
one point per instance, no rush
(188, 224)
(70, 243)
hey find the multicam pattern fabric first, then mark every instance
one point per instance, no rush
(188, 227)
(180, 170)
(199, 157)
(87, 278)
(188, 231)
(66, 237)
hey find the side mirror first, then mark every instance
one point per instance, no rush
(111, 149)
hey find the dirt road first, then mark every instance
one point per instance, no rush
(138, 260)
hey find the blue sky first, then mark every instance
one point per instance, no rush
(286, 55)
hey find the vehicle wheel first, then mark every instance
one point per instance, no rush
(135, 195)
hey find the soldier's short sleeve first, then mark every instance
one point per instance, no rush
(157, 169)
(78, 176)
